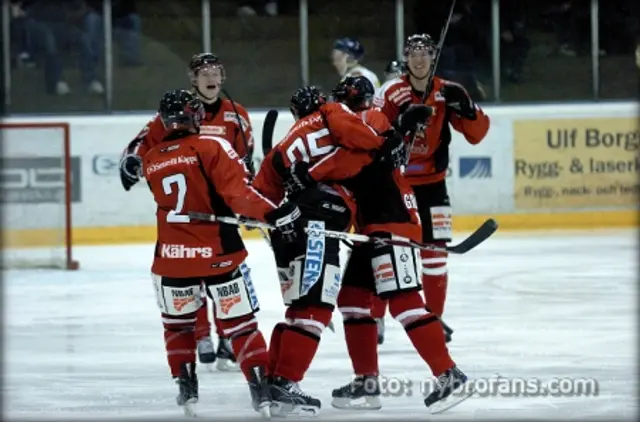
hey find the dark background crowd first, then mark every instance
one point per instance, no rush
(57, 48)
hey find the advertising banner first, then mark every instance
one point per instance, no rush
(576, 163)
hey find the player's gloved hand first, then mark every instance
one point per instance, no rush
(393, 154)
(130, 170)
(287, 220)
(297, 179)
(415, 115)
(459, 100)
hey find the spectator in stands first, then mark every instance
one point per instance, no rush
(126, 24)
(514, 43)
(248, 7)
(52, 25)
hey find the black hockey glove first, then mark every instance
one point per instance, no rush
(393, 153)
(415, 115)
(298, 179)
(287, 220)
(130, 170)
(459, 100)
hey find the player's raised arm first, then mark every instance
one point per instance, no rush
(468, 118)
(131, 159)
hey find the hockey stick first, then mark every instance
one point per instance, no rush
(267, 131)
(245, 143)
(481, 234)
(432, 68)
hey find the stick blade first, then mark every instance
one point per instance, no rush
(482, 233)
(267, 131)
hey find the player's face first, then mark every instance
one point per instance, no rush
(419, 61)
(339, 60)
(209, 81)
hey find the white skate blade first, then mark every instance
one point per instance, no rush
(456, 397)
(226, 365)
(284, 410)
(265, 410)
(362, 403)
(189, 408)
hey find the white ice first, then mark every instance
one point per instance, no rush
(88, 344)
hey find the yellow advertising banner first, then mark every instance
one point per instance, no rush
(576, 163)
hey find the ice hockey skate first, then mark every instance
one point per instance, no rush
(206, 352)
(188, 385)
(260, 392)
(287, 399)
(226, 361)
(451, 389)
(363, 393)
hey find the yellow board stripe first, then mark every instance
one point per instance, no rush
(463, 223)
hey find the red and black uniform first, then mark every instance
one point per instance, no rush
(427, 168)
(203, 173)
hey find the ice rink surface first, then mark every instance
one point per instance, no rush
(89, 345)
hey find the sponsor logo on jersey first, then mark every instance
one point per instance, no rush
(475, 167)
(188, 160)
(231, 116)
(213, 130)
(384, 272)
(314, 258)
(420, 149)
(229, 296)
(185, 252)
(223, 264)
(182, 297)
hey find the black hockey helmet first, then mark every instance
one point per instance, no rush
(356, 92)
(418, 42)
(181, 110)
(394, 69)
(306, 100)
(198, 61)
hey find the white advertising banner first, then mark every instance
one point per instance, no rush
(481, 179)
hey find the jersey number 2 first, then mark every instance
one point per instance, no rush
(181, 183)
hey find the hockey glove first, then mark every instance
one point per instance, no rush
(130, 170)
(298, 179)
(458, 99)
(415, 115)
(287, 221)
(393, 153)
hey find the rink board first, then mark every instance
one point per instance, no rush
(540, 167)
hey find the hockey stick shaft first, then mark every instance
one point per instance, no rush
(477, 237)
(434, 65)
(267, 131)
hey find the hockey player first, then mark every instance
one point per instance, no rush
(346, 56)
(188, 171)
(450, 105)
(368, 166)
(224, 119)
(394, 69)
(387, 273)
(356, 92)
(309, 284)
